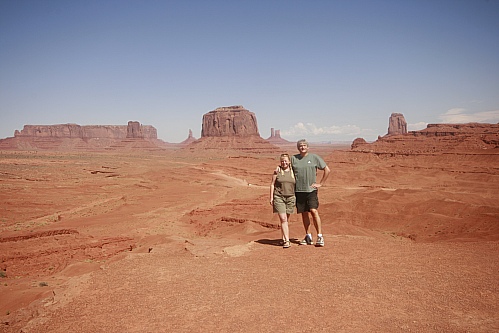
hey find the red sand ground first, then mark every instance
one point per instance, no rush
(183, 242)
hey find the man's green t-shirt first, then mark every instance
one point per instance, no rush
(305, 169)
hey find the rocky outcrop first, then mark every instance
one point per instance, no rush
(189, 139)
(67, 137)
(275, 137)
(458, 129)
(231, 145)
(358, 142)
(230, 130)
(133, 130)
(229, 121)
(397, 124)
(437, 138)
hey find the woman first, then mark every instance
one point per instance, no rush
(282, 195)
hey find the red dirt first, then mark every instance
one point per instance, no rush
(183, 242)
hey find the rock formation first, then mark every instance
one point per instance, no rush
(131, 130)
(230, 130)
(358, 142)
(275, 137)
(397, 124)
(189, 139)
(229, 121)
(437, 138)
(134, 130)
(93, 137)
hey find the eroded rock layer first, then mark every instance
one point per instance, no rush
(436, 138)
(133, 129)
(229, 121)
(276, 139)
(397, 124)
(66, 137)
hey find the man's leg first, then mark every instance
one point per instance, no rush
(317, 220)
(302, 208)
(306, 222)
(318, 227)
(306, 225)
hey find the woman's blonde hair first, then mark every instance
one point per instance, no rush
(290, 166)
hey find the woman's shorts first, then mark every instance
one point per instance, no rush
(306, 201)
(284, 204)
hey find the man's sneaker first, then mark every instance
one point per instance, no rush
(286, 244)
(320, 241)
(307, 240)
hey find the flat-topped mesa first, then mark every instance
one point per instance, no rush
(397, 124)
(437, 138)
(133, 130)
(229, 121)
(458, 129)
(66, 137)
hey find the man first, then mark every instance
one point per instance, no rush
(305, 167)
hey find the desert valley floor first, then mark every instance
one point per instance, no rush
(173, 241)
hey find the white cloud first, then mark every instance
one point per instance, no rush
(312, 132)
(417, 126)
(459, 115)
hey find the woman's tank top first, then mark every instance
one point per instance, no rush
(284, 184)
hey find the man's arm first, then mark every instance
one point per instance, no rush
(325, 175)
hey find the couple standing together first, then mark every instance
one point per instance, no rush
(293, 184)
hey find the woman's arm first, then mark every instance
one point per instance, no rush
(272, 185)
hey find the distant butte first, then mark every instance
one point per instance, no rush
(275, 137)
(435, 138)
(231, 128)
(190, 139)
(397, 124)
(229, 121)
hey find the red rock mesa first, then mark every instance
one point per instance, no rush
(133, 130)
(89, 137)
(435, 138)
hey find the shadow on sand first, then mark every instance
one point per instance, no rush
(276, 242)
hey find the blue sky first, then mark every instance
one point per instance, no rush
(320, 70)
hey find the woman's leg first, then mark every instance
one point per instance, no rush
(284, 226)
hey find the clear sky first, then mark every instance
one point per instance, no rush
(320, 70)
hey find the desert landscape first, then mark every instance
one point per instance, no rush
(138, 235)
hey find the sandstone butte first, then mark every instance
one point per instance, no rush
(231, 128)
(106, 229)
(275, 138)
(397, 124)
